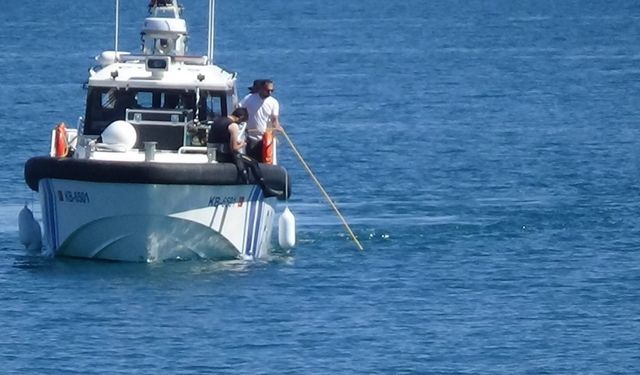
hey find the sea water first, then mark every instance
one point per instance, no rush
(485, 153)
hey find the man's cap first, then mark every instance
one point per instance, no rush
(257, 84)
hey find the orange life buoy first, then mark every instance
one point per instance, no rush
(267, 147)
(62, 146)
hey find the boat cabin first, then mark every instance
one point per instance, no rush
(173, 118)
(167, 96)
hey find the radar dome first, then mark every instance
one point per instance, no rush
(120, 133)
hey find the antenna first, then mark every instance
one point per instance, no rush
(212, 13)
(117, 26)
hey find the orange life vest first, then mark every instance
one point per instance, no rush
(62, 146)
(267, 147)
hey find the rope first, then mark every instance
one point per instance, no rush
(324, 193)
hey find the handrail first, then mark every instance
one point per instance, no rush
(189, 60)
(192, 150)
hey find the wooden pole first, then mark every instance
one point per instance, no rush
(322, 190)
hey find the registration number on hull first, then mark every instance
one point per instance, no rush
(73, 196)
(216, 200)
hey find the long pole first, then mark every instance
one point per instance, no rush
(211, 39)
(324, 193)
(117, 26)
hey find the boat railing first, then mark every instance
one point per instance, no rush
(188, 60)
(192, 150)
(167, 127)
(166, 117)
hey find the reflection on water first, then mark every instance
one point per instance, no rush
(42, 263)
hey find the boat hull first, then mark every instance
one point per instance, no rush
(154, 222)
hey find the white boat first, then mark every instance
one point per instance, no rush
(136, 181)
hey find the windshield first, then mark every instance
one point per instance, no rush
(108, 104)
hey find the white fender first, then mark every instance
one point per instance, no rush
(29, 230)
(119, 136)
(287, 229)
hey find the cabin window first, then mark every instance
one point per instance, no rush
(212, 105)
(144, 99)
(108, 104)
(108, 99)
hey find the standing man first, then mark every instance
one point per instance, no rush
(264, 112)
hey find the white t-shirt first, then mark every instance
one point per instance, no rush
(260, 112)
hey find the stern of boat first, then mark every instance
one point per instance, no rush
(138, 222)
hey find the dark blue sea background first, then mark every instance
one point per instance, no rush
(486, 153)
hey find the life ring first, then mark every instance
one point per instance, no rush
(267, 147)
(62, 146)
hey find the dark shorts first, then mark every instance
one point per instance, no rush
(254, 149)
(224, 158)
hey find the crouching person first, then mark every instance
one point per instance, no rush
(226, 136)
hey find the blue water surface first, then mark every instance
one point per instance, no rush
(485, 153)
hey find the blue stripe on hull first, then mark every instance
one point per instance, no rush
(46, 215)
(257, 231)
(50, 214)
(251, 217)
(54, 204)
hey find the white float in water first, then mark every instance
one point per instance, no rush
(287, 229)
(29, 230)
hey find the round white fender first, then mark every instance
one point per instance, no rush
(287, 229)
(29, 230)
(119, 136)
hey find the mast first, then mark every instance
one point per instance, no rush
(117, 26)
(212, 11)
